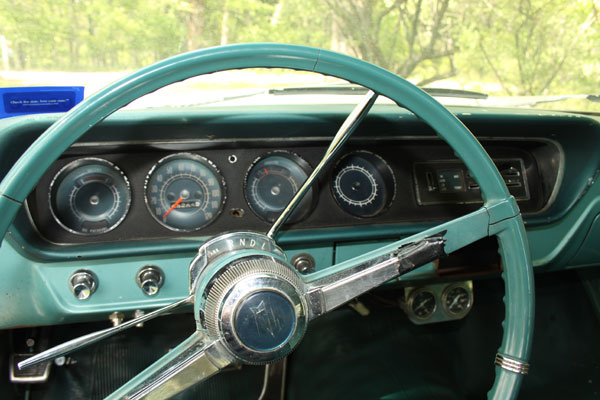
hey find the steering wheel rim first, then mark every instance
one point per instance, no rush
(504, 219)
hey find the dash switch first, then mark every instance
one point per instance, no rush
(451, 180)
(150, 279)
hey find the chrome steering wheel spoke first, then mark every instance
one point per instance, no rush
(333, 287)
(91, 338)
(342, 135)
(194, 360)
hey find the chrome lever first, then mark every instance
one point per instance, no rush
(86, 340)
(342, 135)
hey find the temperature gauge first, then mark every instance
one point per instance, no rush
(271, 183)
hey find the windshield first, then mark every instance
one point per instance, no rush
(527, 53)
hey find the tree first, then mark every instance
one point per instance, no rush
(413, 38)
(529, 47)
(533, 45)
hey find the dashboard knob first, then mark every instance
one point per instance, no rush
(150, 280)
(304, 263)
(83, 284)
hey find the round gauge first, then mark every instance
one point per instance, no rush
(184, 192)
(363, 184)
(272, 181)
(457, 300)
(89, 196)
(422, 303)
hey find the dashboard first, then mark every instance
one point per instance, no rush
(147, 188)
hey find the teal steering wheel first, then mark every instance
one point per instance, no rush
(498, 216)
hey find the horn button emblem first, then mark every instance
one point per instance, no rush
(264, 320)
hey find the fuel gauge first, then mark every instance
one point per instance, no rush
(89, 196)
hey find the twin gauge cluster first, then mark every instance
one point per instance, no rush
(185, 192)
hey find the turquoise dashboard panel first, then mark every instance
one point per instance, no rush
(589, 252)
(322, 253)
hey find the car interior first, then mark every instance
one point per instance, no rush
(282, 245)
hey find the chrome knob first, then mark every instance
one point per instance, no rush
(150, 279)
(83, 284)
(304, 263)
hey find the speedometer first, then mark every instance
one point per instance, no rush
(184, 192)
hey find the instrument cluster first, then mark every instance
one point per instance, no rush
(185, 192)
(154, 191)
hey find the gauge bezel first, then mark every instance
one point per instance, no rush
(468, 288)
(336, 171)
(196, 157)
(411, 299)
(72, 166)
(303, 164)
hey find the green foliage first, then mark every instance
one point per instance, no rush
(533, 47)
(90, 34)
(528, 47)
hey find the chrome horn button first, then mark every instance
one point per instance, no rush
(256, 306)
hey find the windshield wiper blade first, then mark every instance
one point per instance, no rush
(532, 101)
(593, 97)
(327, 89)
(345, 89)
(462, 94)
(553, 99)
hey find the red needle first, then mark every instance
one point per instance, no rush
(173, 207)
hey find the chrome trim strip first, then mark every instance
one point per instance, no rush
(110, 143)
(511, 364)
(197, 141)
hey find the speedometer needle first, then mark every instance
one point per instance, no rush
(173, 207)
